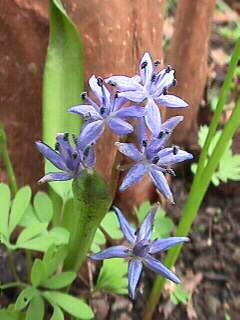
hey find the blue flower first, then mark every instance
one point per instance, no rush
(151, 86)
(107, 111)
(71, 160)
(140, 250)
(152, 158)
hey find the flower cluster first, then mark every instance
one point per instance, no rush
(112, 103)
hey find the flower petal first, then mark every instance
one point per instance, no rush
(134, 273)
(56, 176)
(119, 126)
(171, 101)
(145, 230)
(131, 112)
(164, 80)
(86, 111)
(129, 150)
(125, 226)
(134, 175)
(173, 158)
(161, 183)
(51, 155)
(135, 96)
(147, 71)
(123, 83)
(101, 92)
(141, 133)
(152, 117)
(165, 244)
(112, 252)
(156, 266)
(89, 157)
(90, 133)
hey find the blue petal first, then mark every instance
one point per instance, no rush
(102, 94)
(125, 226)
(135, 96)
(123, 83)
(90, 133)
(65, 148)
(161, 183)
(171, 158)
(51, 155)
(129, 150)
(171, 101)
(152, 117)
(145, 231)
(146, 73)
(58, 176)
(164, 80)
(90, 160)
(86, 111)
(159, 268)
(141, 132)
(131, 112)
(134, 175)
(134, 273)
(120, 127)
(165, 244)
(112, 252)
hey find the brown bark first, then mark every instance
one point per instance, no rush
(188, 55)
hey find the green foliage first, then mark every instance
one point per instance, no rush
(229, 164)
(46, 278)
(162, 227)
(112, 277)
(179, 295)
(34, 218)
(11, 314)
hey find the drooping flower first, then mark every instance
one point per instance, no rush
(152, 158)
(107, 111)
(151, 86)
(68, 158)
(140, 250)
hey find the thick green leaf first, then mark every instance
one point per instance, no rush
(19, 206)
(73, 306)
(98, 240)
(110, 225)
(43, 207)
(36, 309)
(6, 314)
(59, 281)
(63, 74)
(53, 258)
(24, 298)
(5, 200)
(57, 313)
(59, 235)
(31, 232)
(38, 274)
(41, 243)
(113, 276)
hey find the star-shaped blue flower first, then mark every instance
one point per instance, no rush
(68, 158)
(152, 158)
(151, 86)
(141, 250)
(107, 111)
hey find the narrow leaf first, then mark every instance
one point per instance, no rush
(24, 298)
(5, 198)
(53, 258)
(38, 274)
(59, 281)
(36, 309)
(57, 313)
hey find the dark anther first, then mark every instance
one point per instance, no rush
(168, 69)
(100, 81)
(155, 160)
(83, 95)
(136, 232)
(170, 171)
(102, 110)
(174, 83)
(66, 136)
(154, 76)
(74, 155)
(57, 145)
(86, 152)
(165, 91)
(144, 64)
(175, 150)
(167, 132)
(161, 134)
(87, 116)
(144, 143)
(116, 94)
(112, 83)
(157, 63)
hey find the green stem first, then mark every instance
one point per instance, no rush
(12, 266)
(193, 204)
(92, 200)
(7, 162)
(13, 285)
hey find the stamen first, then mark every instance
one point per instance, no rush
(167, 131)
(157, 63)
(155, 160)
(144, 64)
(86, 152)
(112, 83)
(66, 136)
(87, 117)
(170, 171)
(136, 232)
(74, 155)
(74, 138)
(100, 81)
(168, 69)
(57, 145)
(83, 95)
(161, 134)
(165, 92)
(174, 83)
(175, 150)
(154, 76)
(116, 94)
(102, 110)
(144, 143)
